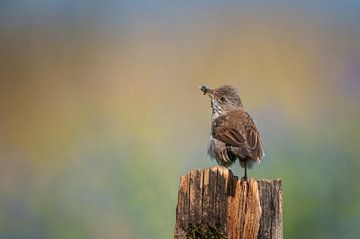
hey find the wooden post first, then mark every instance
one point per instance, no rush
(212, 203)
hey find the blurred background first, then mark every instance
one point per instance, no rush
(100, 113)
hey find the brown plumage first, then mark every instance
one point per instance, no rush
(233, 131)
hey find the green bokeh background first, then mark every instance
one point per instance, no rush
(100, 113)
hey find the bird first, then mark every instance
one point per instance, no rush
(233, 132)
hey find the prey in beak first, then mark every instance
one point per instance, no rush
(206, 90)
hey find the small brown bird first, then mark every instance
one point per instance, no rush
(233, 131)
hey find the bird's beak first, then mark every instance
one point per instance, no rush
(206, 90)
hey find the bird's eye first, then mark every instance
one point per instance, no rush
(222, 98)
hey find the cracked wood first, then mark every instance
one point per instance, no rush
(214, 198)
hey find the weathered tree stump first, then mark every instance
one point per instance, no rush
(212, 203)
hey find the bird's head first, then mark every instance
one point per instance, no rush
(223, 99)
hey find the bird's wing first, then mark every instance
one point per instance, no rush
(241, 133)
(253, 140)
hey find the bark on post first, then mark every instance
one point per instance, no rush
(212, 203)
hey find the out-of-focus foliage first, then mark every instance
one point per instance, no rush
(100, 113)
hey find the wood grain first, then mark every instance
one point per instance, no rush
(214, 199)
